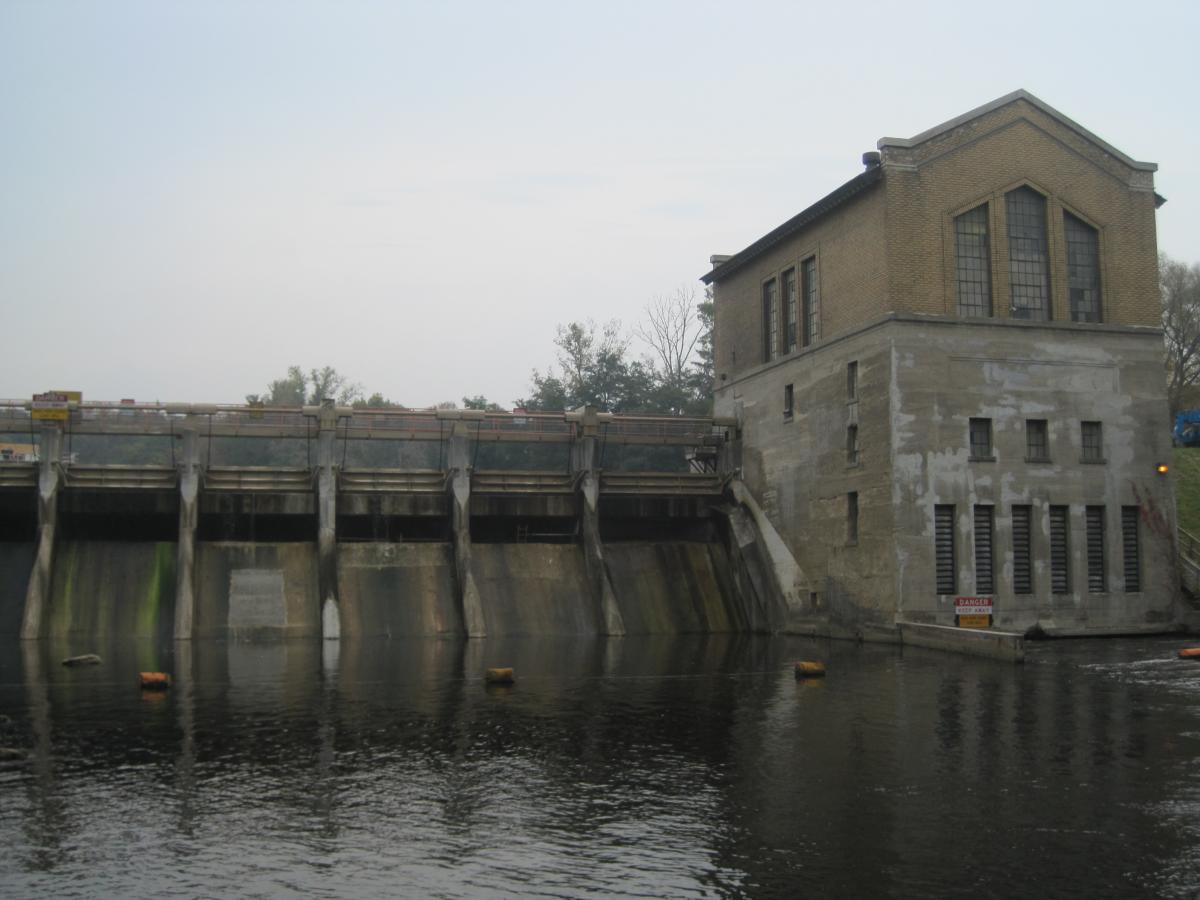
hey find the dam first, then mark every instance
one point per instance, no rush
(638, 528)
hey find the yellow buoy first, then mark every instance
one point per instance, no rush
(499, 676)
(155, 681)
(810, 670)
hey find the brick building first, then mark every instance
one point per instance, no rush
(950, 381)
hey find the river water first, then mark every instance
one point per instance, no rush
(672, 767)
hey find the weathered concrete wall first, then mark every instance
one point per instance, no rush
(947, 372)
(534, 589)
(799, 471)
(252, 590)
(16, 562)
(674, 587)
(112, 588)
(398, 590)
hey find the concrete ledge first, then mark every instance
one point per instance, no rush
(1002, 645)
(1084, 631)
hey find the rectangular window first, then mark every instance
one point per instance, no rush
(943, 549)
(981, 439)
(1037, 440)
(984, 582)
(1083, 269)
(1028, 254)
(1095, 550)
(1022, 521)
(1091, 441)
(852, 445)
(770, 311)
(1131, 545)
(973, 263)
(789, 307)
(852, 380)
(788, 398)
(811, 311)
(1060, 550)
(852, 517)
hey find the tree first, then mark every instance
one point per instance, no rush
(1179, 288)
(672, 331)
(298, 389)
(481, 402)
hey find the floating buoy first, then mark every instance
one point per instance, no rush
(12, 754)
(499, 676)
(87, 659)
(1190, 653)
(155, 681)
(810, 670)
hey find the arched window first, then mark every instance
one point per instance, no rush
(1083, 269)
(973, 263)
(1028, 254)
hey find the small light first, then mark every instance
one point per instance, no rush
(1162, 468)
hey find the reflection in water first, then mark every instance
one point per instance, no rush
(659, 766)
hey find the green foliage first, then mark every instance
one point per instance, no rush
(1187, 488)
(299, 389)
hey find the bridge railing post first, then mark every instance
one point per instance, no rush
(37, 593)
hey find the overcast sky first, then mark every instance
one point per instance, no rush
(194, 196)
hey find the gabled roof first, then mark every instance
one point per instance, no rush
(829, 202)
(999, 102)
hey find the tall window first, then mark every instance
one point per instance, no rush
(1131, 544)
(984, 583)
(852, 517)
(852, 380)
(1060, 550)
(1022, 543)
(789, 399)
(1091, 440)
(973, 263)
(1095, 550)
(812, 311)
(789, 307)
(851, 445)
(1083, 269)
(943, 549)
(1028, 254)
(981, 438)
(1037, 440)
(770, 311)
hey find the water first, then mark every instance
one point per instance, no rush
(684, 767)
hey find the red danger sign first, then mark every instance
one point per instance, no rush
(972, 606)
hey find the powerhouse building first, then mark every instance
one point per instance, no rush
(949, 376)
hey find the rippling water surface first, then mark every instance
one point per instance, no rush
(627, 767)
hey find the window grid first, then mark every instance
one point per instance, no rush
(1083, 269)
(1091, 441)
(789, 305)
(770, 303)
(852, 445)
(1028, 254)
(943, 549)
(812, 312)
(1060, 550)
(852, 380)
(789, 397)
(973, 263)
(1022, 521)
(1097, 582)
(1037, 440)
(984, 568)
(981, 438)
(1131, 545)
(852, 517)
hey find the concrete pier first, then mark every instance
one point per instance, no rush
(38, 592)
(185, 566)
(459, 486)
(327, 520)
(583, 464)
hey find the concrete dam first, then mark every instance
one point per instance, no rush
(189, 548)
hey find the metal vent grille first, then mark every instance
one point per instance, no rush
(1060, 555)
(1022, 550)
(1095, 549)
(984, 583)
(1131, 544)
(943, 542)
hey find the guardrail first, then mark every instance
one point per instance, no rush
(18, 474)
(386, 481)
(662, 483)
(517, 482)
(258, 478)
(147, 478)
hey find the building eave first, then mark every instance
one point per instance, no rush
(1022, 94)
(825, 205)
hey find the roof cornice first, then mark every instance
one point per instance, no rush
(1022, 94)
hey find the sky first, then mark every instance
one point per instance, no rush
(195, 196)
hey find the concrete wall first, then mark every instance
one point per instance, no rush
(680, 587)
(534, 589)
(799, 472)
(259, 589)
(947, 372)
(112, 588)
(16, 561)
(398, 590)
